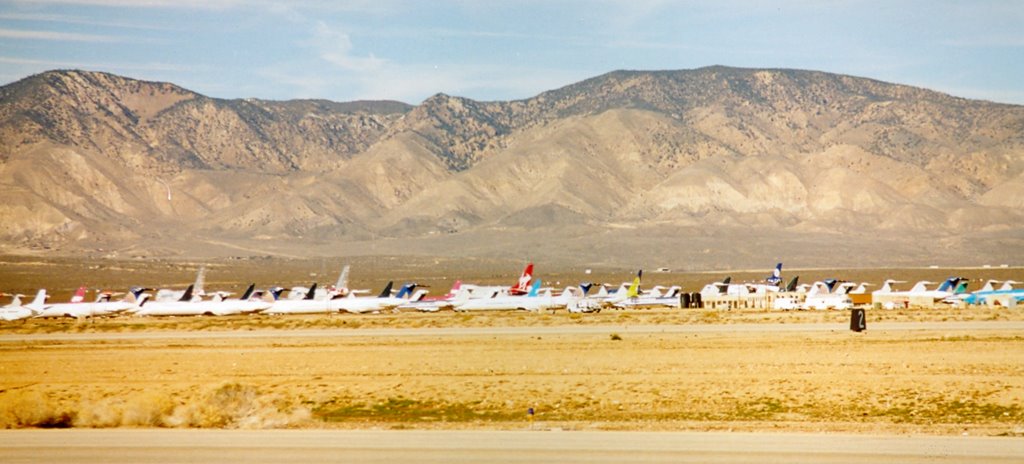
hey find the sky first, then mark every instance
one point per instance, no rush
(508, 50)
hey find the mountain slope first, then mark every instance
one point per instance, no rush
(771, 159)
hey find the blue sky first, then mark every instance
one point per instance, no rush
(490, 50)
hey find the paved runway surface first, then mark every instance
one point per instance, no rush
(494, 331)
(283, 446)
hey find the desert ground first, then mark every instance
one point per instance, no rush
(940, 379)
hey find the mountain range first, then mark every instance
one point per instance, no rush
(691, 169)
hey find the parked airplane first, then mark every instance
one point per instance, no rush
(625, 293)
(821, 297)
(656, 297)
(433, 304)
(338, 290)
(585, 303)
(175, 295)
(217, 306)
(360, 305)
(920, 291)
(716, 288)
(1004, 296)
(528, 302)
(100, 307)
(306, 305)
(15, 310)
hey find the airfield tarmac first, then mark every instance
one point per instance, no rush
(256, 446)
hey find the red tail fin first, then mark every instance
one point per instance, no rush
(455, 289)
(523, 286)
(79, 295)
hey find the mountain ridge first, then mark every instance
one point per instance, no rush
(94, 161)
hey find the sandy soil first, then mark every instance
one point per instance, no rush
(907, 382)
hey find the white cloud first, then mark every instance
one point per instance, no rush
(65, 19)
(42, 65)
(56, 36)
(336, 47)
(189, 4)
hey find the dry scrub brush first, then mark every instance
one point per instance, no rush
(232, 405)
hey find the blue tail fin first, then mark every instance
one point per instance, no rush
(406, 290)
(534, 288)
(776, 277)
(949, 284)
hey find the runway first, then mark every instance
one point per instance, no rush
(283, 446)
(513, 331)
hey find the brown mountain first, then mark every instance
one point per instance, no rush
(713, 167)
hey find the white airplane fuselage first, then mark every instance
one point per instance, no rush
(201, 308)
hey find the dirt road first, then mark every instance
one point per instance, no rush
(172, 446)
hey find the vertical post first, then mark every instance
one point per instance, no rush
(858, 320)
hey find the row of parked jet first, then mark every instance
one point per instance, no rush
(838, 294)
(525, 294)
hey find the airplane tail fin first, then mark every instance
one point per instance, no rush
(248, 292)
(272, 294)
(187, 296)
(79, 295)
(949, 284)
(387, 290)
(133, 295)
(791, 286)
(961, 287)
(534, 288)
(406, 290)
(634, 289)
(311, 293)
(40, 299)
(455, 289)
(342, 282)
(460, 297)
(200, 282)
(523, 285)
(776, 277)
(419, 295)
(920, 286)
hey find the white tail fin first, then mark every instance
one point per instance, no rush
(921, 286)
(15, 300)
(341, 286)
(461, 296)
(197, 288)
(40, 299)
(419, 294)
